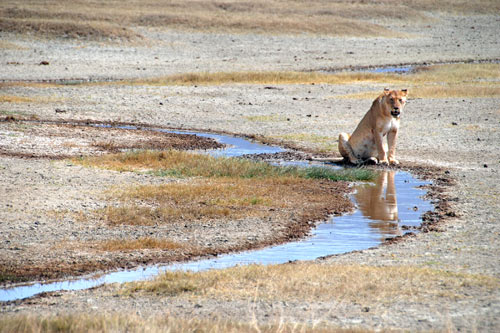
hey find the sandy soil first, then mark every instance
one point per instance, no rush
(459, 137)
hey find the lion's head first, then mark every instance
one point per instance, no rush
(394, 100)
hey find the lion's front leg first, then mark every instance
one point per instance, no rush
(391, 140)
(381, 153)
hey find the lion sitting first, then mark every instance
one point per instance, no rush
(366, 144)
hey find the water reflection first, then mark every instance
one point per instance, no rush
(378, 202)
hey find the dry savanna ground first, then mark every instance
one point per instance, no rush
(113, 19)
(79, 197)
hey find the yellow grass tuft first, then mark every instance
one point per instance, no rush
(15, 99)
(440, 81)
(131, 322)
(206, 78)
(24, 99)
(315, 282)
(137, 244)
(180, 163)
(436, 92)
(215, 199)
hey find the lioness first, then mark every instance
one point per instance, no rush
(366, 142)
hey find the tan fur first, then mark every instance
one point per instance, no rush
(367, 141)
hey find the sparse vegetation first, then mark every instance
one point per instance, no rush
(25, 99)
(15, 99)
(116, 20)
(221, 198)
(131, 322)
(138, 244)
(264, 78)
(314, 282)
(185, 164)
(457, 80)
(230, 188)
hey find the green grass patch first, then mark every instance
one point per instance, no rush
(185, 164)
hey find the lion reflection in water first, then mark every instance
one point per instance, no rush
(379, 203)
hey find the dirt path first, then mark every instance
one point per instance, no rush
(458, 135)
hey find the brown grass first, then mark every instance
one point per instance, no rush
(15, 99)
(179, 163)
(457, 80)
(25, 99)
(131, 322)
(314, 282)
(206, 78)
(137, 244)
(479, 75)
(223, 198)
(228, 188)
(436, 92)
(115, 19)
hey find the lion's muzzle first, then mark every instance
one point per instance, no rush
(395, 112)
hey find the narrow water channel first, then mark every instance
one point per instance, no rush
(386, 208)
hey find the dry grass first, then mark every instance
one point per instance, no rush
(271, 77)
(228, 188)
(116, 20)
(457, 80)
(313, 282)
(451, 76)
(218, 199)
(15, 99)
(131, 322)
(436, 92)
(25, 99)
(137, 244)
(179, 163)
(185, 164)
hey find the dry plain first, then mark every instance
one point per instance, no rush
(291, 73)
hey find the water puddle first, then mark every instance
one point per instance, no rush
(236, 146)
(388, 207)
(392, 70)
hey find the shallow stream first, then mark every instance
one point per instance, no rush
(390, 206)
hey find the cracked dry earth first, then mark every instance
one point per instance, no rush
(456, 137)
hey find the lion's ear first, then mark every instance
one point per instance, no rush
(386, 91)
(404, 91)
